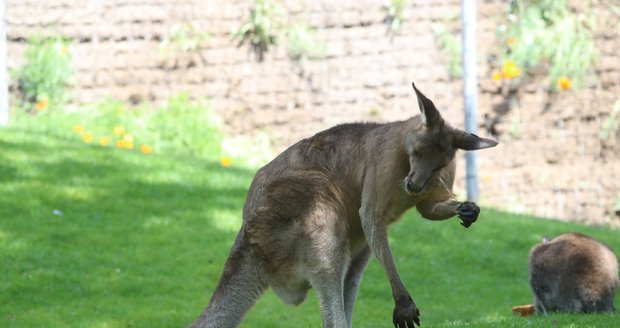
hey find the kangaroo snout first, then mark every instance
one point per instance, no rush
(412, 187)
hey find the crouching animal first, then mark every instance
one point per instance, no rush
(316, 213)
(573, 273)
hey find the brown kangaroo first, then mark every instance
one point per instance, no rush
(573, 273)
(316, 213)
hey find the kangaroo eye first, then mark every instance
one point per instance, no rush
(416, 153)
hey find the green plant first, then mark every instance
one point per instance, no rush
(199, 133)
(394, 15)
(43, 78)
(611, 124)
(547, 34)
(182, 126)
(254, 151)
(183, 37)
(262, 28)
(515, 123)
(303, 44)
(451, 43)
(374, 111)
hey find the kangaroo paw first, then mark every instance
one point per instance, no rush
(406, 313)
(468, 212)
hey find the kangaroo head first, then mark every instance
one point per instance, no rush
(432, 145)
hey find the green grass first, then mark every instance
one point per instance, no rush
(94, 236)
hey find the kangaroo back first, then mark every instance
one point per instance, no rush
(573, 273)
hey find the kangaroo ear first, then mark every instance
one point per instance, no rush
(430, 114)
(469, 141)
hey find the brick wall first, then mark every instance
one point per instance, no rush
(557, 166)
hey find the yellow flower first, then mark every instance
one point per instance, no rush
(120, 144)
(104, 141)
(128, 138)
(147, 150)
(119, 130)
(87, 138)
(511, 69)
(41, 104)
(564, 83)
(226, 161)
(497, 76)
(511, 42)
(79, 129)
(128, 144)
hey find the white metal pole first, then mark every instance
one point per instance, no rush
(4, 82)
(470, 90)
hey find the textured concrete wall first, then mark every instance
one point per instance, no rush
(116, 53)
(555, 166)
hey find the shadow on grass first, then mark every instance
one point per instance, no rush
(97, 174)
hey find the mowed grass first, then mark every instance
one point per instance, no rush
(99, 237)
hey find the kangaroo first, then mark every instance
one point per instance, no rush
(573, 273)
(316, 213)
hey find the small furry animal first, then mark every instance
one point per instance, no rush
(573, 273)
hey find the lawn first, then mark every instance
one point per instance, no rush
(96, 236)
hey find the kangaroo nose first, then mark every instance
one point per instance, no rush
(412, 187)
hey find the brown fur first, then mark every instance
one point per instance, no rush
(573, 273)
(316, 213)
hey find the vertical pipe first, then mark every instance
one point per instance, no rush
(470, 90)
(4, 84)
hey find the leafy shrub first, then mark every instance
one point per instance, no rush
(262, 28)
(611, 124)
(451, 43)
(43, 78)
(183, 38)
(182, 126)
(265, 28)
(394, 16)
(254, 151)
(547, 34)
(302, 43)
